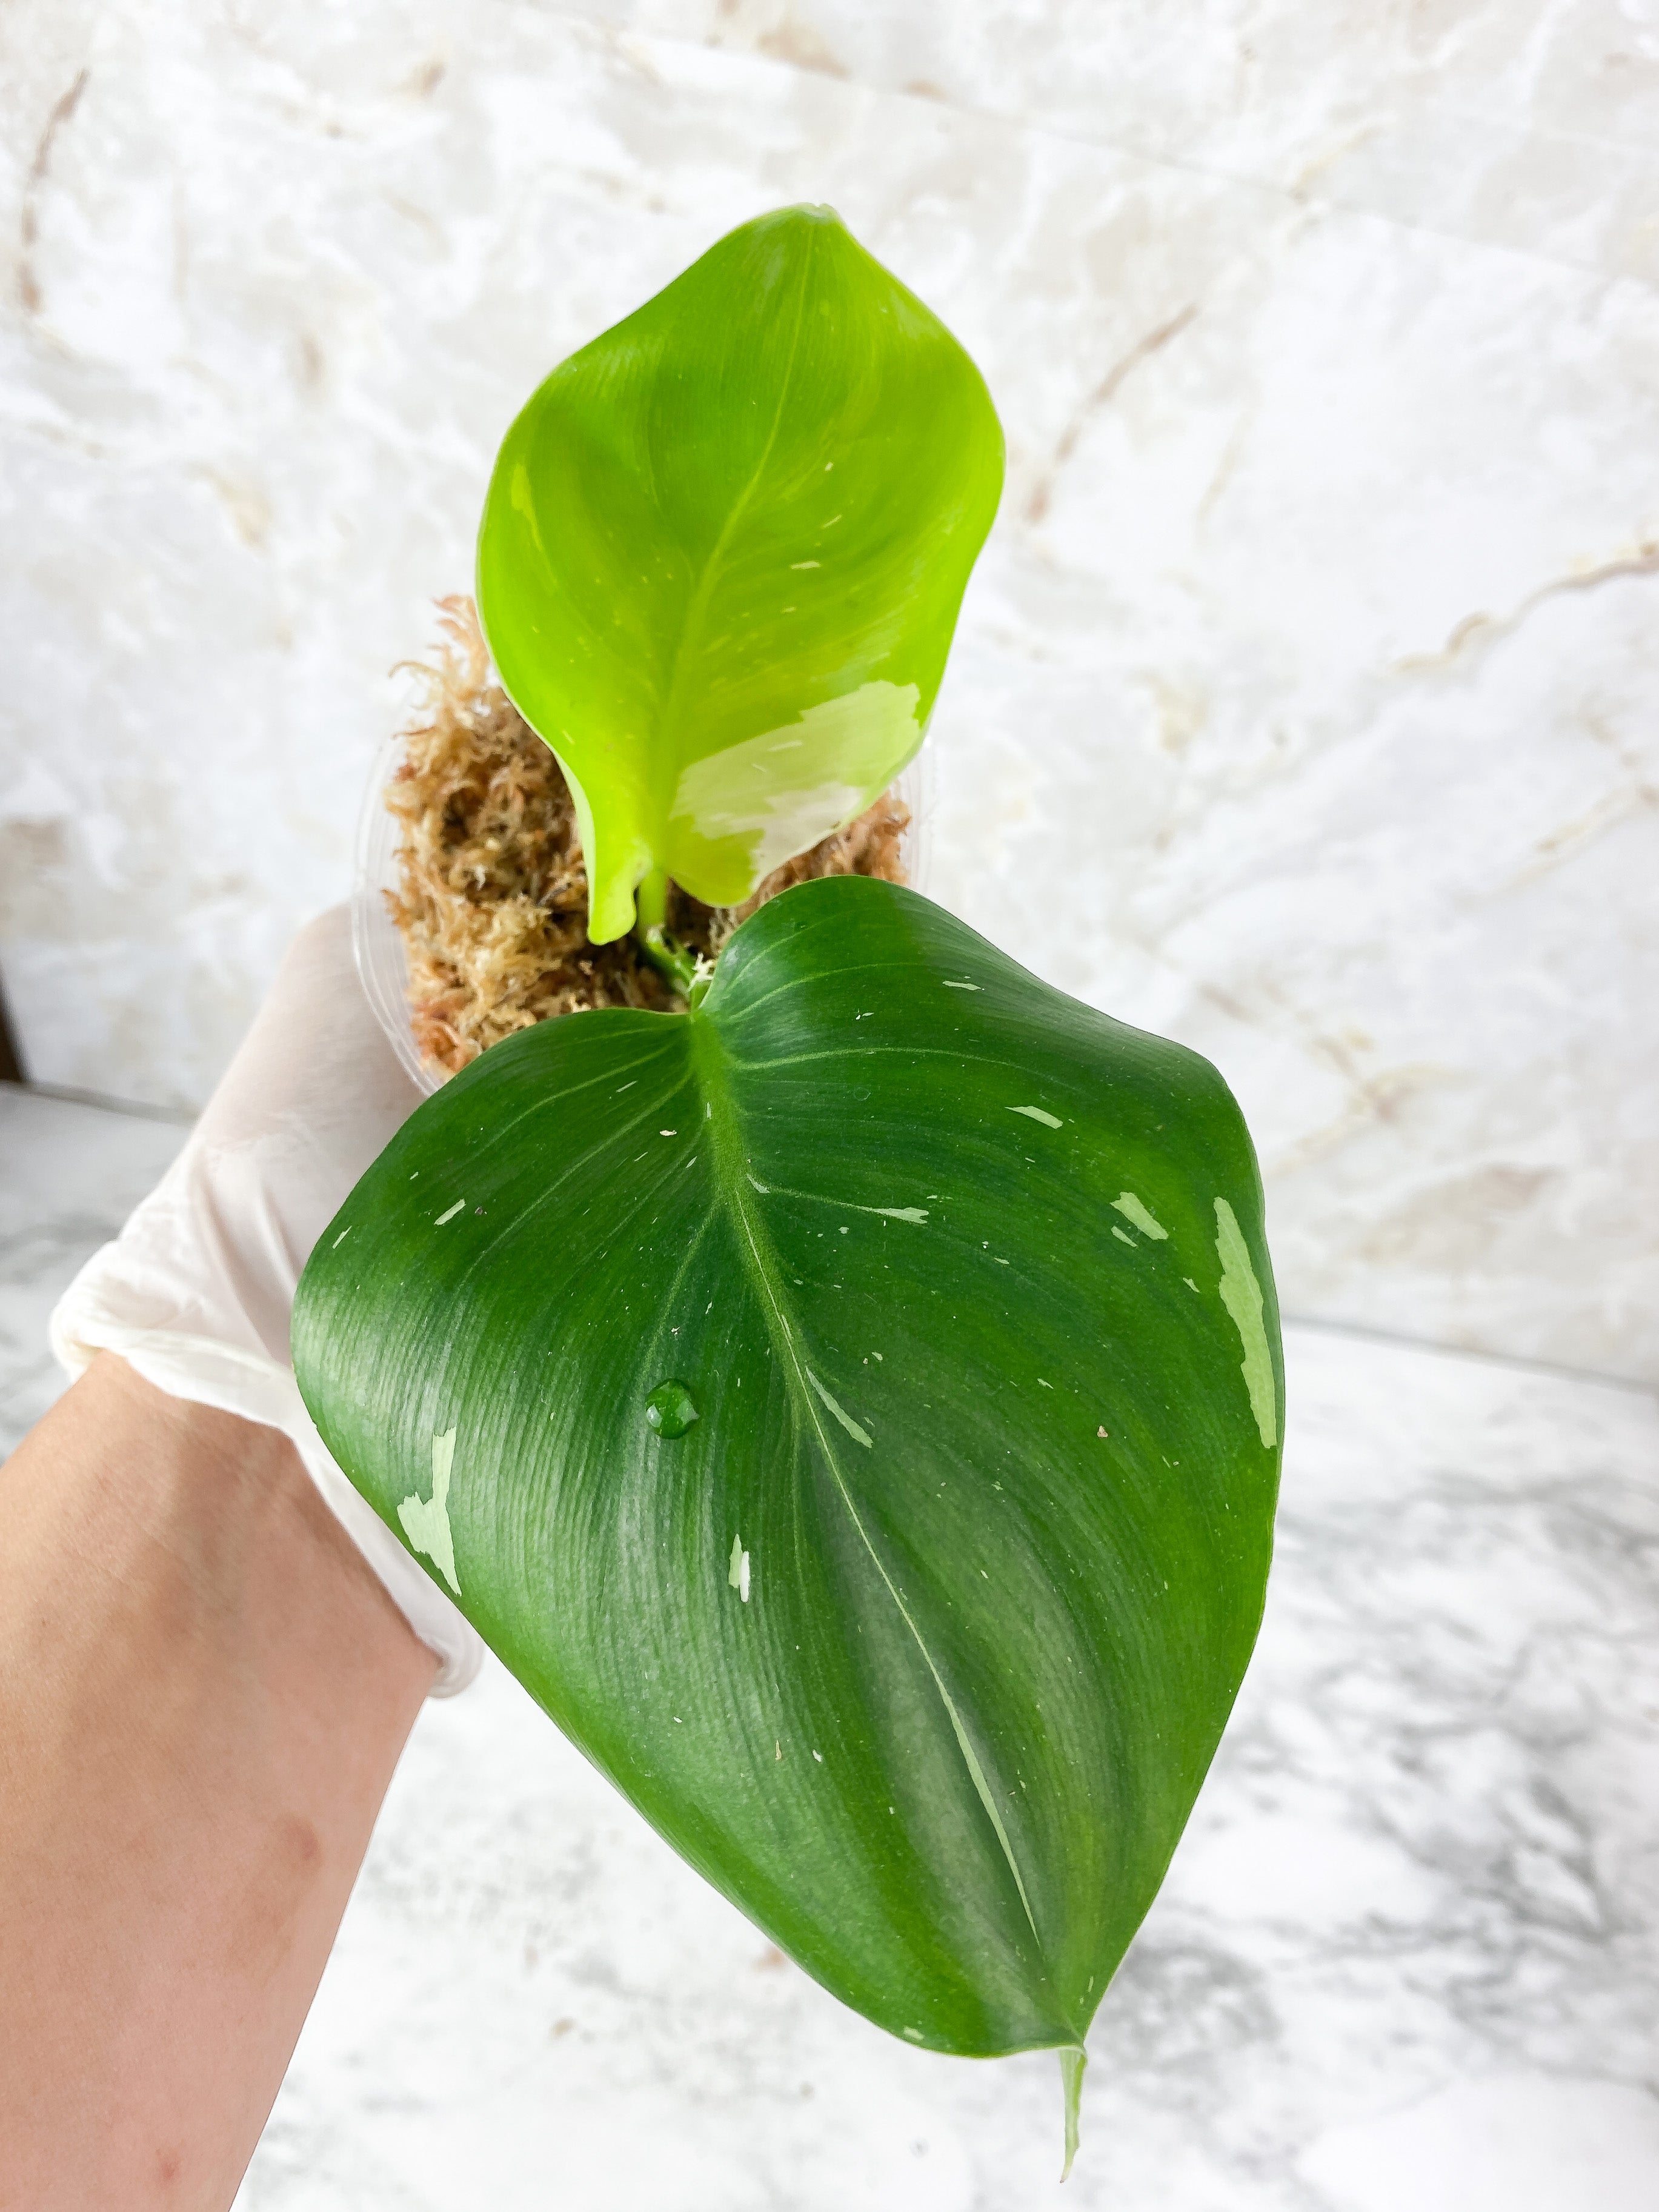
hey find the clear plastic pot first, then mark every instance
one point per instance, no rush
(379, 949)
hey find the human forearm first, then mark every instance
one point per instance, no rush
(202, 1694)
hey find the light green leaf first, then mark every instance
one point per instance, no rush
(723, 552)
(918, 1640)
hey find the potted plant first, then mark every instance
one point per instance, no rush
(848, 1395)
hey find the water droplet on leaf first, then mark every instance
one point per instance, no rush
(670, 1409)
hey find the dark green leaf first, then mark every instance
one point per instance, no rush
(722, 556)
(918, 1639)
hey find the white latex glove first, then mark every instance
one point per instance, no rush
(196, 1292)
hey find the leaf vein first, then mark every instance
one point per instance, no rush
(765, 1269)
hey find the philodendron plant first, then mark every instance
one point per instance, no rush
(851, 1405)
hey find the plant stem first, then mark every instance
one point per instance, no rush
(650, 903)
(660, 947)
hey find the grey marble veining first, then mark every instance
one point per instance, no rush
(1520, 123)
(1303, 703)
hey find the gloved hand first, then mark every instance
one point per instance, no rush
(196, 1292)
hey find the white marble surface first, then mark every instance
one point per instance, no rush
(70, 1175)
(1522, 123)
(1405, 1956)
(1303, 705)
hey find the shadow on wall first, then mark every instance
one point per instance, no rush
(11, 1066)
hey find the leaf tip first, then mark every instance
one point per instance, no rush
(1074, 2058)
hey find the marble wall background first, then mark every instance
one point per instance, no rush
(1306, 705)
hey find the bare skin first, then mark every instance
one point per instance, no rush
(203, 1692)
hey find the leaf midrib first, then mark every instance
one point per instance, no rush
(673, 704)
(755, 1247)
